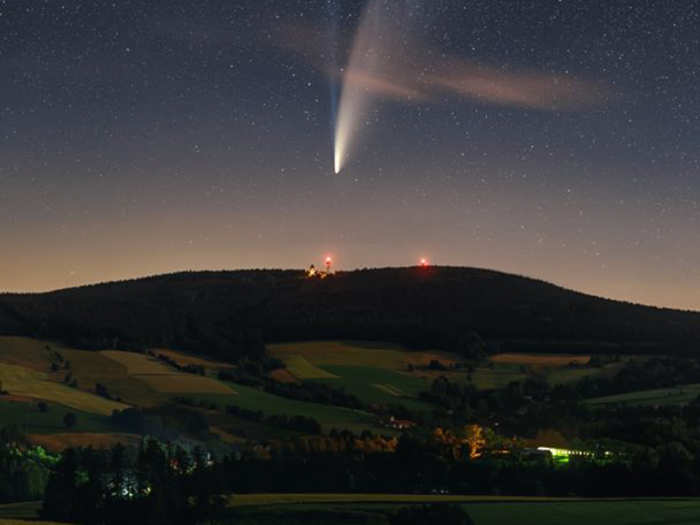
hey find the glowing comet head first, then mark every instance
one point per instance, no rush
(339, 149)
(336, 168)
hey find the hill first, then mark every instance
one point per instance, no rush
(231, 314)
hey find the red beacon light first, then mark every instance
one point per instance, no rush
(424, 262)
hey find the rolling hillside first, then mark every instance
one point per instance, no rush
(229, 314)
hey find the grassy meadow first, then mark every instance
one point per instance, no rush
(329, 416)
(27, 415)
(162, 378)
(333, 509)
(22, 381)
(375, 373)
(380, 385)
(677, 395)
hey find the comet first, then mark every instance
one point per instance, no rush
(367, 75)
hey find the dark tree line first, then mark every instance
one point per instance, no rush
(229, 315)
(160, 484)
(305, 424)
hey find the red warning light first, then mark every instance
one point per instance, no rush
(424, 262)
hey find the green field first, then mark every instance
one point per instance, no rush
(497, 376)
(28, 416)
(506, 368)
(299, 367)
(331, 509)
(329, 416)
(379, 385)
(21, 381)
(356, 353)
(163, 378)
(21, 514)
(336, 509)
(375, 373)
(677, 395)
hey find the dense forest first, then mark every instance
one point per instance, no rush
(231, 314)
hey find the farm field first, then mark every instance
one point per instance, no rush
(90, 368)
(26, 352)
(549, 360)
(21, 381)
(498, 376)
(17, 513)
(373, 372)
(299, 367)
(243, 500)
(345, 353)
(506, 368)
(183, 359)
(677, 395)
(27, 415)
(484, 510)
(314, 360)
(60, 441)
(329, 416)
(183, 384)
(163, 379)
(380, 386)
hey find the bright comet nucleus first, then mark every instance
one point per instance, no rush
(366, 59)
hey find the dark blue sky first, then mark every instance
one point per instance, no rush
(139, 137)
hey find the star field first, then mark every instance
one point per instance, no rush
(555, 139)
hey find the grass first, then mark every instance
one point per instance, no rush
(380, 386)
(677, 395)
(28, 416)
(184, 384)
(90, 368)
(59, 442)
(329, 416)
(563, 376)
(242, 500)
(22, 381)
(485, 378)
(26, 352)
(331, 509)
(17, 513)
(669, 512)
(162, 378)
(183, 359)
(352, 353)
(138, 364)
(549, 360)
(506, 368)
(300, 368)
(26, 522)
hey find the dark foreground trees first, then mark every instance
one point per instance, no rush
(161, 485)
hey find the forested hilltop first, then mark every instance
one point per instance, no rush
(231, 314)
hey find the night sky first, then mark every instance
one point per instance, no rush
(554, 139)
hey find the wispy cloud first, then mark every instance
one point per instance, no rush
(524, 89)
(414, 75)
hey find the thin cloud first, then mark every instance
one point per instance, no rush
(417, 78)
(525, 89)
